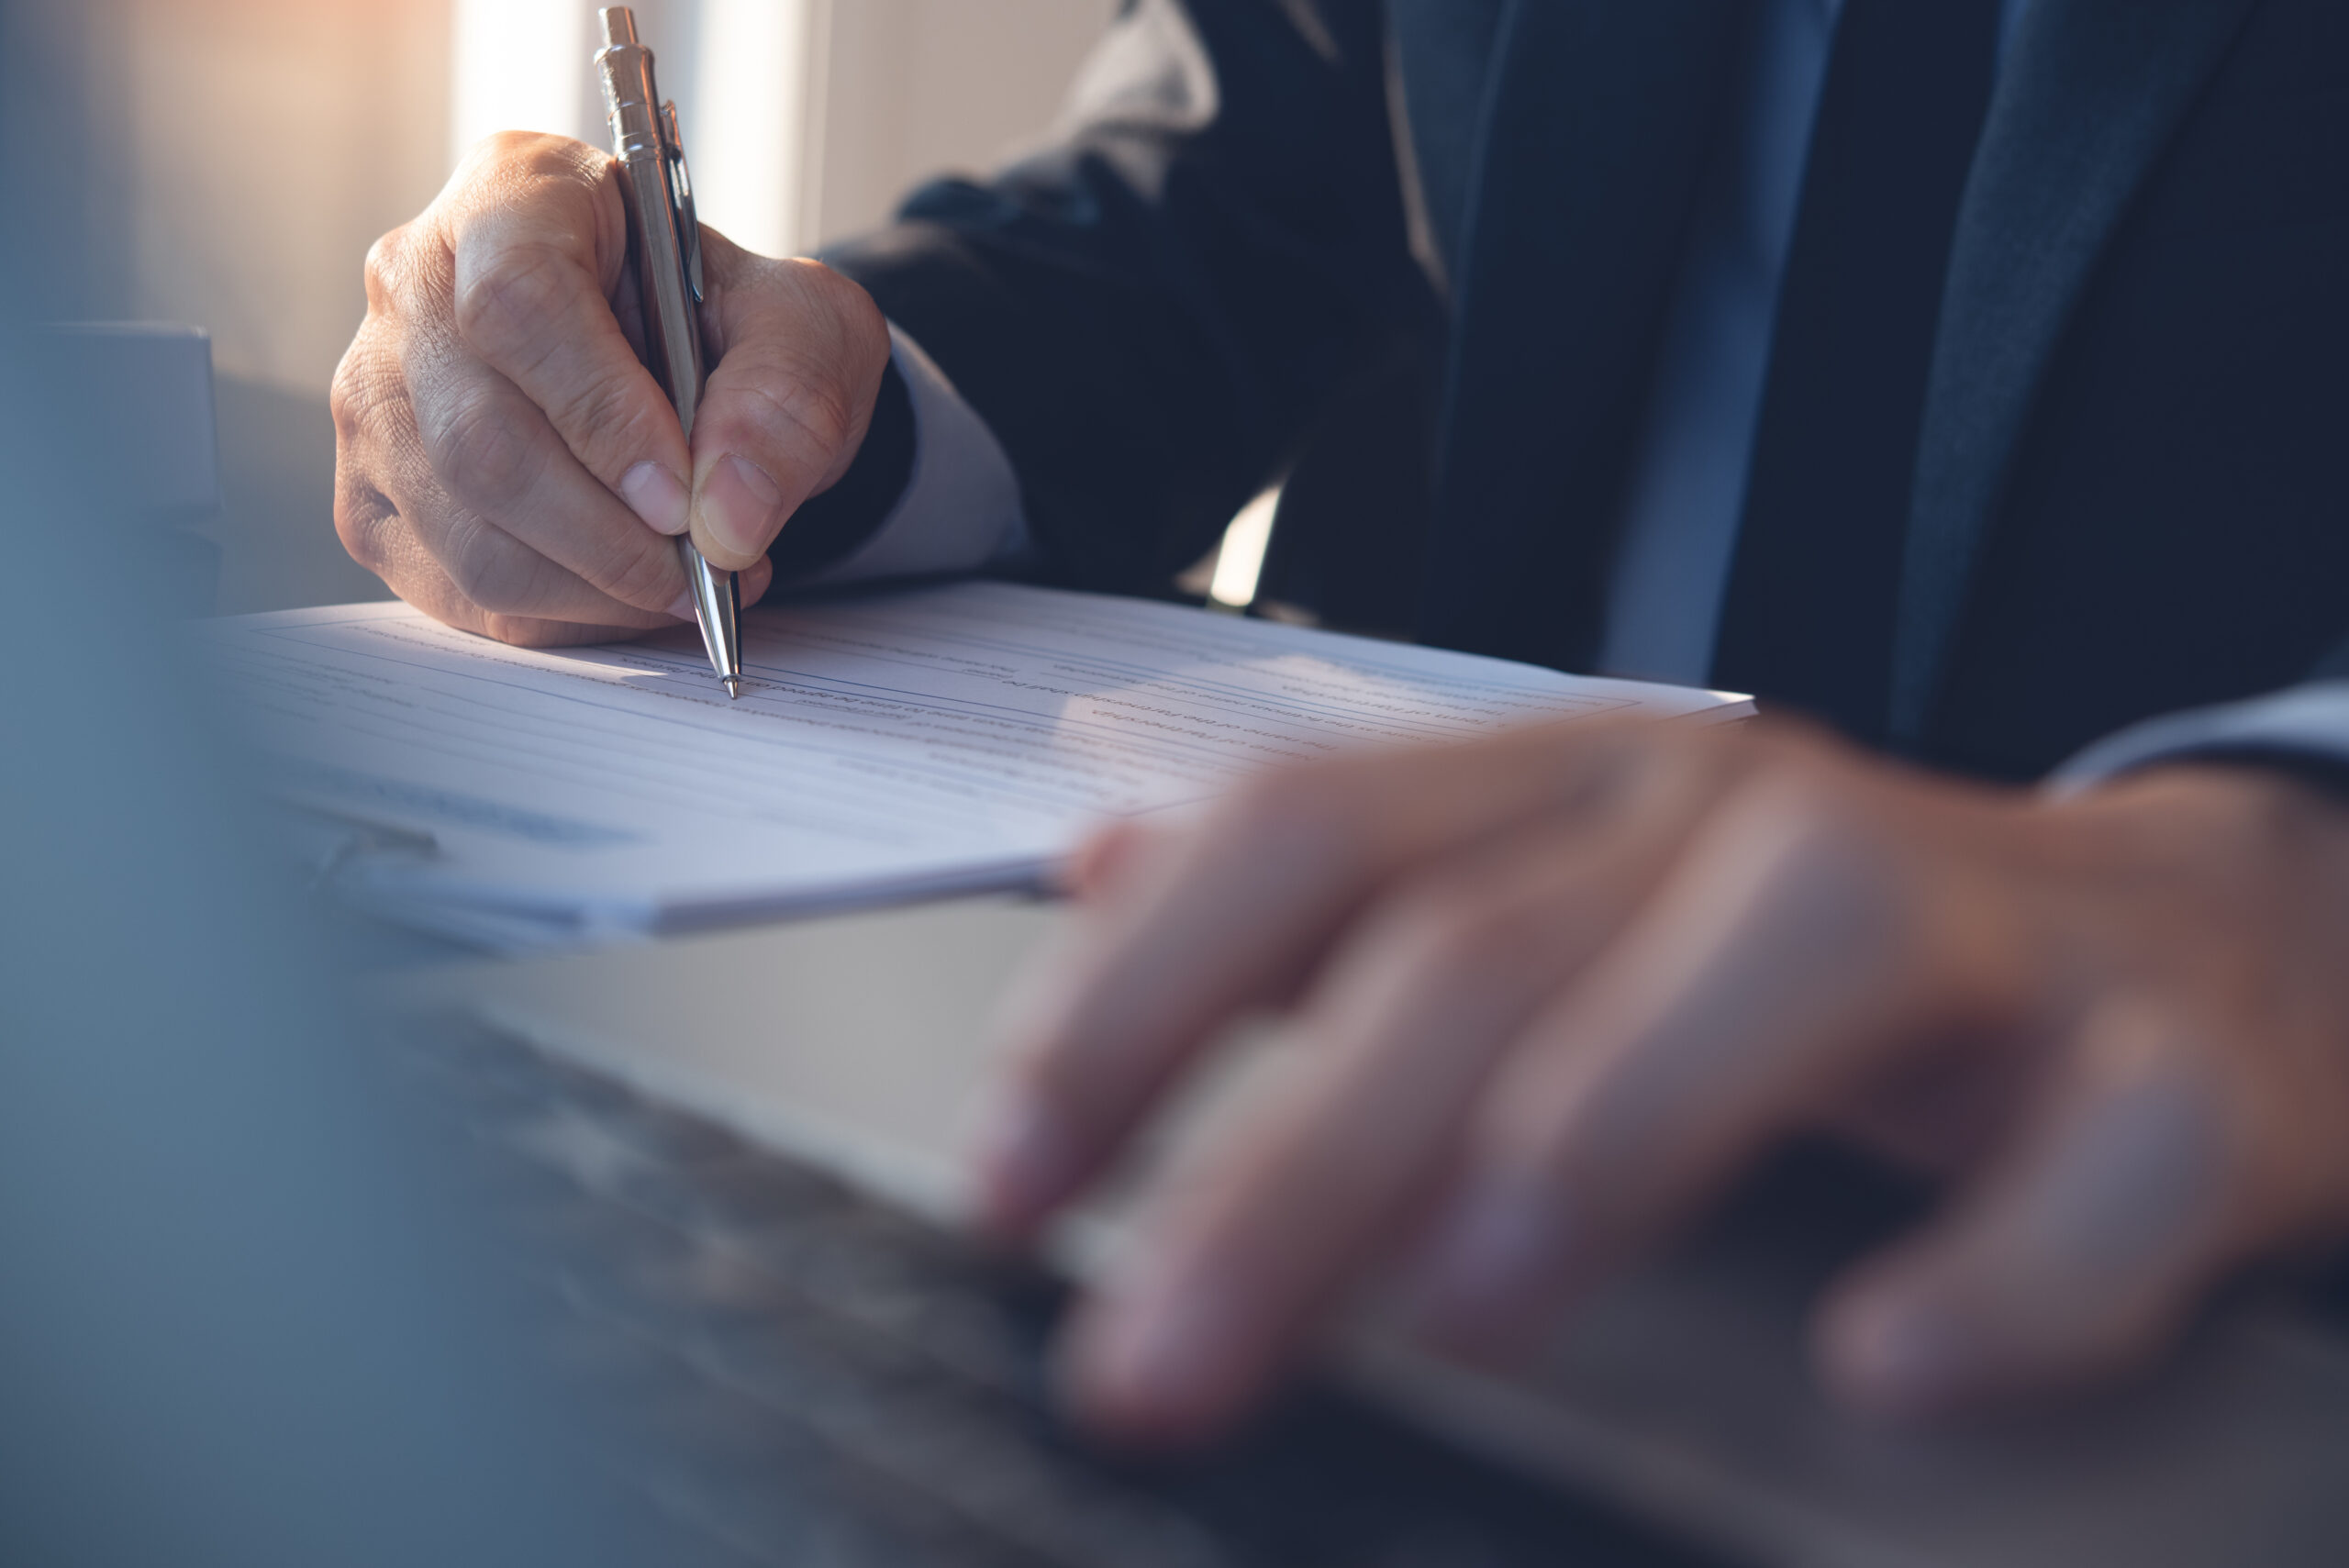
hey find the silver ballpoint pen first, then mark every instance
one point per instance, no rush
(665, 235)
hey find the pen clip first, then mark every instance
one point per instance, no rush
(681, 198)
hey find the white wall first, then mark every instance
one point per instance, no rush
(261, 146)
(917, 87)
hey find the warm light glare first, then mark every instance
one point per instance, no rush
(521, 65)
(749, 120)
(1242, 559)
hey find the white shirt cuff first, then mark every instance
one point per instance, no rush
(2313, 718)
(961, 509)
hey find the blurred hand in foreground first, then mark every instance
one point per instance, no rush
(1555, 989)
(502, 458)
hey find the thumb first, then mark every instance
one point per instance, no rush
(800, 351)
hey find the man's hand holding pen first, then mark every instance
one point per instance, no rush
(505, 461)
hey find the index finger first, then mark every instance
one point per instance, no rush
(539, 260)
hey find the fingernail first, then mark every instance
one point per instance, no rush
(657, 496)
(1024, 1160)
(737, 504)
(1490, 1254)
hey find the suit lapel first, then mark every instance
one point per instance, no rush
(2091, 95)
(1594, 127)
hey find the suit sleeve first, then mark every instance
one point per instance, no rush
(1148, 316)
(2302, 729)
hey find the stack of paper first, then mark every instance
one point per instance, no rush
(941, 739)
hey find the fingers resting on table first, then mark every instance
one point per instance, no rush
(1549, 994)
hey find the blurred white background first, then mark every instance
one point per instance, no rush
(244, 153)
(269, 141)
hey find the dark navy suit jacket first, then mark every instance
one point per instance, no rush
(1421, 250)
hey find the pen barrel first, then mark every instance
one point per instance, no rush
(672, 329)
(663, 234)
(624, 66)
(672, 320)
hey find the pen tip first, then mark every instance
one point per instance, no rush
(733, 687)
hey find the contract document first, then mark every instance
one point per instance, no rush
(931, 740)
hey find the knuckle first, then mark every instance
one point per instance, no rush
(361, 516)
(514, 146)
(385, 267)
(547, 152)
(378, 265)
(363, 399)
(346, 398)
(795, 409)
(481, 452)
(503, 154)
(520, 298)
(611, 423)
(363, 380)
(342, 392)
